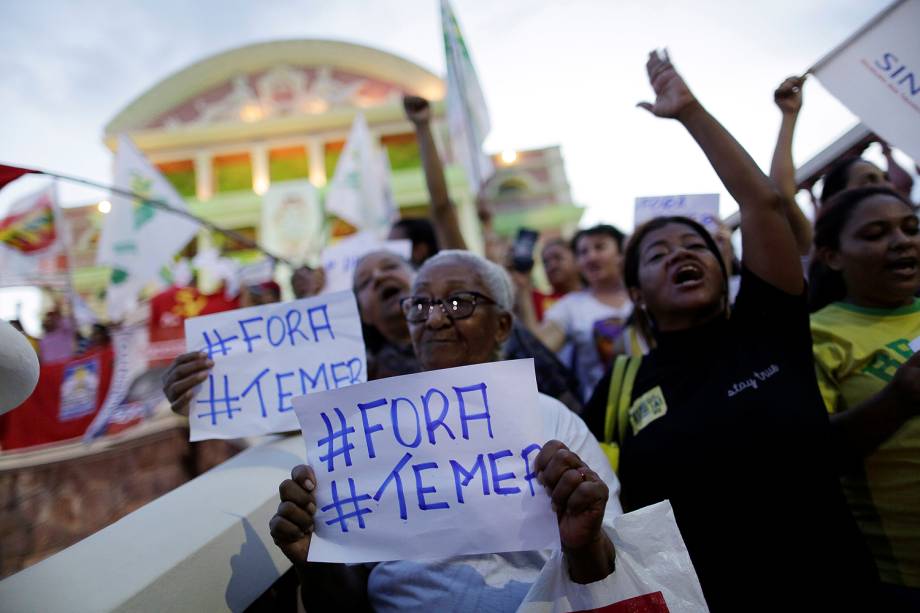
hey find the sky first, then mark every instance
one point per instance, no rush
(566, 73)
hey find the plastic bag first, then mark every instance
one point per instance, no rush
(653, 573)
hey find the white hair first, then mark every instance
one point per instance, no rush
(496, 280)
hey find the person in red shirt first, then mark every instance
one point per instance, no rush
(561, 272)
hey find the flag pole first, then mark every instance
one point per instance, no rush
(166, 207)
(475, 150)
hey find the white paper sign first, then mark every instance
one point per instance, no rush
(266, 355)
(915, 345)
(340, 260)
(431, 465)
(703, 208)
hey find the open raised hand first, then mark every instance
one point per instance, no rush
(672, 96)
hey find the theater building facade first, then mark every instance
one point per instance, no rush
(227, 128)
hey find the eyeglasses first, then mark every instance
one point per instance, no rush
(456, 306)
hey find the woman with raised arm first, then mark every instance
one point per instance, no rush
(788, 97)
(724, 417)
(863, 284)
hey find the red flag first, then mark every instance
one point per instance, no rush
(8, 174)
(29, 225)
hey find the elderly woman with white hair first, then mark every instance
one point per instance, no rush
(459, 313)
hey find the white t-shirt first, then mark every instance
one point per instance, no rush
(495, 581)
(578, 314)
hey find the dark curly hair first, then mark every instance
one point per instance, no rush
(643, 320)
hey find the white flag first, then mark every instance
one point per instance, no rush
(876, 74)
(359, 188)
(467, 115)
(138, 239)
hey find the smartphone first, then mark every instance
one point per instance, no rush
(522, 249)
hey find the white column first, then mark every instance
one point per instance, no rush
(260, 178)
(316, 159)
(204, 176)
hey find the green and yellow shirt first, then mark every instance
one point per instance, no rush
(857, 351)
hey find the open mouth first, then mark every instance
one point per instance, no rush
(906, 266)
(687, 275)
(388, 292)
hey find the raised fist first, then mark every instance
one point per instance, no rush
(417, 109)
(788, 96)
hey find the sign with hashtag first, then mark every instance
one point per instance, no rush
(266, 355)
(404, 464)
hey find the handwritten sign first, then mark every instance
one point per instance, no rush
(915, 345)
(703, 208)
(430, 465)
(264, 356)
(340, 260)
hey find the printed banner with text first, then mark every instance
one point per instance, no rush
(876, 74)
(429, 465)
(266, 355)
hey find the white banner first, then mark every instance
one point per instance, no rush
(266, 355)
(138, 239)
(876, 74)
(702, 208)
(404, 463)
(339, 260)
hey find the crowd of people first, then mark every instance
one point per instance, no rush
(780, 417)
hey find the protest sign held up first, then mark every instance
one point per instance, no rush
(703, 208)
(405, 464)
(264, 356)
(341, 259)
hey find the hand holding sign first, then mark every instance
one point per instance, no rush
(579, 498)
(292, 526)
(185, 374)
(788, 96)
